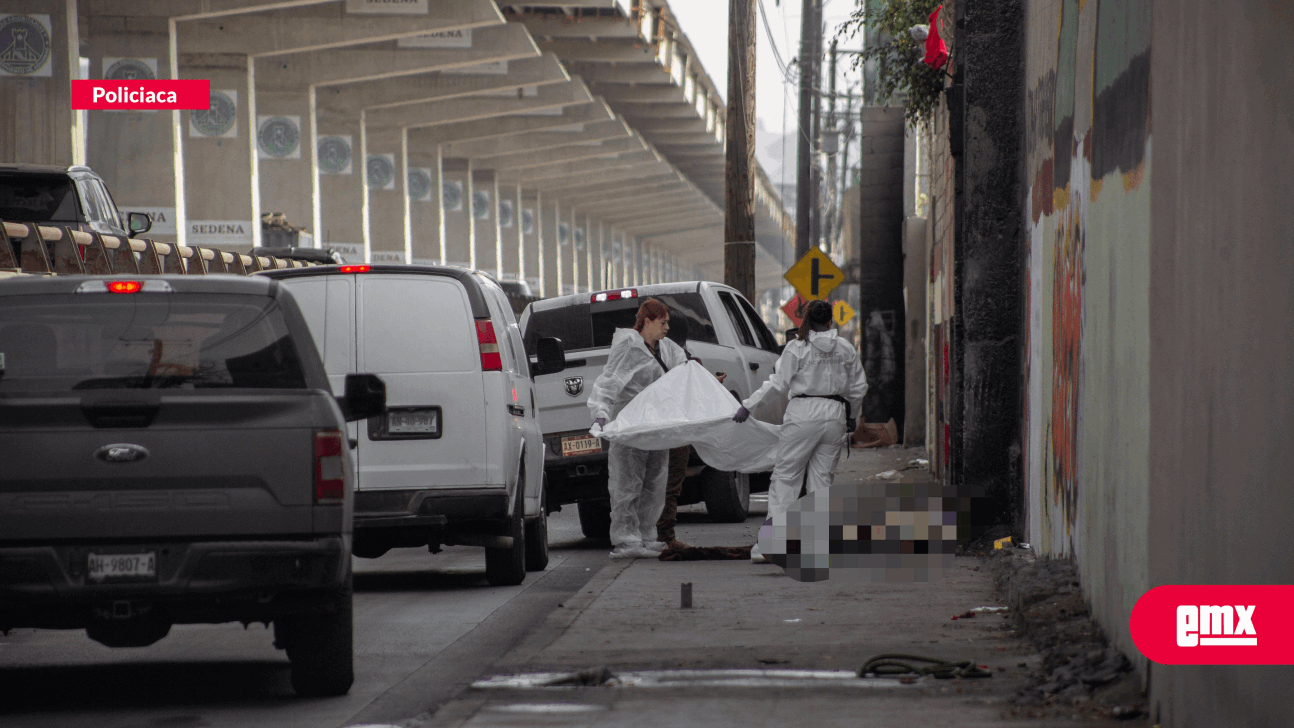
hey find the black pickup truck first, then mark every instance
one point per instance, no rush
(173, 453)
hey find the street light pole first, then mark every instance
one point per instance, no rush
(739, 151)
(810, 30)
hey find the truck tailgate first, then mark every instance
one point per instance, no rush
(562, 398)
(185, 465)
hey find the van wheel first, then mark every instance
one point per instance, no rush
(319, 647)
(507, 567)
(726, 495)
(537, 533)
(595, 518)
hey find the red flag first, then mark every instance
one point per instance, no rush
(936, 49)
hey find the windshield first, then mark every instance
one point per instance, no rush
(589, 326)
(37, 198)
(145, 341)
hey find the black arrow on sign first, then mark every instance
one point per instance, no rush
(815, 276)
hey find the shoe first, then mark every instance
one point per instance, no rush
(633, 551)
(756, 557)
(657, 546)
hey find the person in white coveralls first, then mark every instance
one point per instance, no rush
(823, 377)
(637, 478)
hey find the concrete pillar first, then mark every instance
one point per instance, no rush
(563, 238)
(285, 152)
(602, 257)
(220, 157)
(457, 216)
(425, 201)
(386, 184)
(38, 125)
(528, 220)
(132, 150)
(339, 202)
(541, 234)
(514, 232)
(484, 220)
(551, 230)
(575, 246)
(590, 242)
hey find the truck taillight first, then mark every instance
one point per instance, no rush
(330, 467)
(491, 361)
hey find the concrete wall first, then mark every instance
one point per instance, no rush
(36, 126)
(1221, 406)
(1087, 420)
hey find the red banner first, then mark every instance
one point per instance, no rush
(1216, 624)
(146, 95)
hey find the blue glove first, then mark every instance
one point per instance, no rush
(601, 422)
(742, 414)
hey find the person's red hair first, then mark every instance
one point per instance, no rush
(650, 310)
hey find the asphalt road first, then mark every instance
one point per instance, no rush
(425, 626)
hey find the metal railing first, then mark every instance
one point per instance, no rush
(60, 250)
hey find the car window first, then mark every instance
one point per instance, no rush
(38, 198)
(765, 337)
(738, 321)
(415, 324)
(590, 326)
(113, 216)
(146, 341)
(569, 323)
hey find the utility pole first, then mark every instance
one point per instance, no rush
(739, 151)
(810, 32)
(830, 185)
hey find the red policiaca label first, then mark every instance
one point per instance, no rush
(147, 95)
(1216, 624)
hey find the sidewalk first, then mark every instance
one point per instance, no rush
(754, 617)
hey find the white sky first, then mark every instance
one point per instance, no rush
(705, 22)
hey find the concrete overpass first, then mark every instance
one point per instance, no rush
(579, 146)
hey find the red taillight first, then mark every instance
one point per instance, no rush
(356, 268)
(123, 286)
(330, 468)
(613, 295)
(490, 359)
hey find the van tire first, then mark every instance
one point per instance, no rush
(320, 647)
(537, 534)
(595, 519)
(507, 567)
(726, 495)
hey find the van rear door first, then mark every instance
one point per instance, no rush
(417, 333)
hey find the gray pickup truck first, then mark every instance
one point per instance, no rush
(173, 454)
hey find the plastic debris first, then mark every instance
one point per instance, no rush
(790, 620)
(989, 610)
(887, 475)
(1001, 543)
(918, 463)
(1023, 546)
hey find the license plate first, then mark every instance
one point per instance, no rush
(110, 566)
(413, 421)
(578, 445)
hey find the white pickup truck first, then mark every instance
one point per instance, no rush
(724, 332)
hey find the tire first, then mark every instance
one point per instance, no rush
(507, 567)
(595, 519)
(537, 534)
(759, 482)
(319, 647)
(726, 495)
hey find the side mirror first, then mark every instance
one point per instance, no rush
(550, 357)
(138, 222)
(365, 397)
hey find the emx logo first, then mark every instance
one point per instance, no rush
(1216, 625)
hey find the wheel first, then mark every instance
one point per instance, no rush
(537, 534)
(759, 482)
(319, 647)
(507, 567)
(595, 518)
(727, 495)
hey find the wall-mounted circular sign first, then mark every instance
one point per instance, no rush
(217, 120)
(24, 45)
(278, 137)
(128, 69)
(334, 155)
(381, 171)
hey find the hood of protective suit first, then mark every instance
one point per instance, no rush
(823, 340)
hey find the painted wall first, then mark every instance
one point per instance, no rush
(1088, 162)
(1221, 402)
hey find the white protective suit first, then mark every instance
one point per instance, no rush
(813, 429)
(637, 477)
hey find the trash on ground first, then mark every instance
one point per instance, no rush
(897, 664)
(1001, 543)
(1024, 546)
(887, 475)
(591, 676)
(765, 678)
(875, 435)
(965, 615)
(982, 610)
(791, 620)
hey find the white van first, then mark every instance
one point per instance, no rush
(457, 459)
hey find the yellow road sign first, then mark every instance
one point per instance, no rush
(842, 313)
(814, 275)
